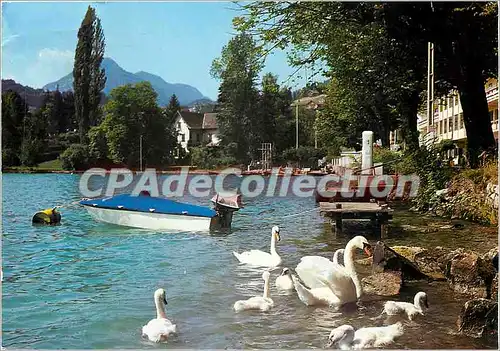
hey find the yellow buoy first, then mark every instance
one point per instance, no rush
(48, 216)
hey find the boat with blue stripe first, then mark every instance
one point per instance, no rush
(148, 212)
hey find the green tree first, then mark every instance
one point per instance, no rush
(237, 68)
(466, 54)
(172, 108)
(68, 122)
(285, 123)
(98, 145)
(75, 157)
(268, 108)
(14, 110)
(377, 52)
(89, 77)
(132, 111)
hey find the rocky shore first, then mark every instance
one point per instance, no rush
(467, 273)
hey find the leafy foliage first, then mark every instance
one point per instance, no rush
(304, 156)
(132, 112)
(75, 157)
(210, 157)
(172, 108)
(237, 68)
(374, 54)
(89, 77)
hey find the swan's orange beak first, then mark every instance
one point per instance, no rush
(368, 250)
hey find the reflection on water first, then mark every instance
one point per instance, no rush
(90, 285)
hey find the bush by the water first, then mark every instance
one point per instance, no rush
(304, 156)
(210, 157)
(75, 157)
(466, 194)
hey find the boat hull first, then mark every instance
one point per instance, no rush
(155, 221)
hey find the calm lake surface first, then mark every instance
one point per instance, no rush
(83, 285)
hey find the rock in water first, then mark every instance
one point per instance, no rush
(389, 260)
(478, 317)
(383, 284)
(470, 274)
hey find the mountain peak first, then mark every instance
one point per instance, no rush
(117, 76)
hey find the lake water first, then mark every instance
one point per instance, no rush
(83, 285)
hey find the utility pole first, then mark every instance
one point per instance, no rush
(316, 128)
(297, 125)
(140, 151)
(430, 88)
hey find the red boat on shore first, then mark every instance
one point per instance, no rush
(334, 192)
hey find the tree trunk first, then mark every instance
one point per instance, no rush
(410, 109)
(476, 116)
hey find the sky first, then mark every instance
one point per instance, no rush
(175, 40)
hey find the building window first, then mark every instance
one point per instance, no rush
(445, 125)
(440, 129)
(179, 125)
(493, 115)
(183, 138)
(450, 121)
(457, 99)
(461, 118)
(456, 122)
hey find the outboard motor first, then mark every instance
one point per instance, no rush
(225, 206)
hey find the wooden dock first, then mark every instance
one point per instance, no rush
(378, 213)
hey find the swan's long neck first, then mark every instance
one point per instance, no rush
(160, 308)
(273, 244)
(349, 265)
(266, 288)
(418, 303)
(336, 256)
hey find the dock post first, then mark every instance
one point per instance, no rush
(383, 230)
(338, 220)
(367, 153)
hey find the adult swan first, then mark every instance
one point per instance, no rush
(320, 272)
(261, 258)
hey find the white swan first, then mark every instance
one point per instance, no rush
(160, 328)
(320, 272)
(284, 280)
(344, 337)
(316, 296)
(392, 308)
(263, 303)
(261, 258)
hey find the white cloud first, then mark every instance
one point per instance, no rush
(49, 65)
(9, 39)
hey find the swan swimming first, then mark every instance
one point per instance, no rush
(323, 296)
(284, 280)
(160, 328)
(263, 303)
(261, 258)
(392, 308)
(345, 337)
(320, 272)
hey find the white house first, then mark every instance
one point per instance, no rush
(196, 129)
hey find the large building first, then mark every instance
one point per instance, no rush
(448, 121)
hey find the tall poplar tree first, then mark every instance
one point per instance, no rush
(89, 77)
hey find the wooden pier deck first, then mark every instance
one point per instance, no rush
(378, 213)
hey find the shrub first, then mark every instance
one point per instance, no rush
(304, 156)
(76, 157)
(10, 158)
(30, 152)
(210, 157)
